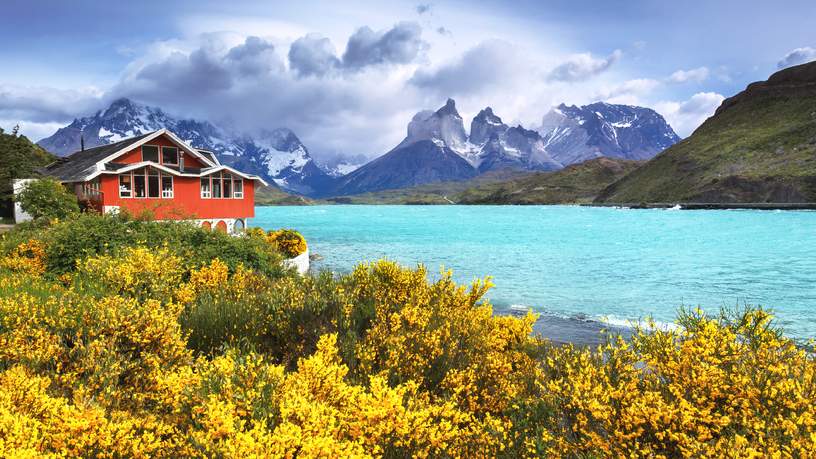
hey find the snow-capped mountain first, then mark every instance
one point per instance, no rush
(277, 155)
(437, 148)
(574, 134)
(341, 165)
(499, 146)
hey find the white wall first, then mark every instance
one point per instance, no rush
(19, 185)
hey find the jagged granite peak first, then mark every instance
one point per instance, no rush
(516, 148)
(574, 134)
(276, 154)
(443, 126)
(484, 125)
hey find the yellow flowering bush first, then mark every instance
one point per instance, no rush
(136, 353)
(286, 241)
(137, 272)
(27, 257)
(714, 388)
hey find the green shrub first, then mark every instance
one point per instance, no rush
(91, 234)
(47, 199)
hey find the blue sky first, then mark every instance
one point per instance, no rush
(347, 76)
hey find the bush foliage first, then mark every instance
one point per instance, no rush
(47, 198)
(138, 350)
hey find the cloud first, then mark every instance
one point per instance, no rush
(443, 31)
(625, 92)
(46, 105)
(399, 45)
(797, 56)
(686, 116)
(697, 75)
(423, 8)
(580, 67)
(313, 55)
(486, 65)
(254, 57)
(247, 88)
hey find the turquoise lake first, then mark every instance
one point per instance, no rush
(605, 265)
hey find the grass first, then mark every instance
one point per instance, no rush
(576, 184)
(432, 193)
(761, 149)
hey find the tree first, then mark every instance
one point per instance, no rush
(47, 198)
(19, 159)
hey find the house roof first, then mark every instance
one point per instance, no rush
(88, 164)
(210, 155)
(79, 165)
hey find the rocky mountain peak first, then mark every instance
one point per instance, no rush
(574, 134)
(484, 126)
(448, 109)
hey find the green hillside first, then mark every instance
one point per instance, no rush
(578, 183)
(431, 193)
(274, 196)
(19, 158)
(759, 147)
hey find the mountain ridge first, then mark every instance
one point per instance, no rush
(278, 155)
(758, 147)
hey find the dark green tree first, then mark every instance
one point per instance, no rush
(19, 158)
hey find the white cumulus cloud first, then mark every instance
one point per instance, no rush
(685, 116)
(797, 56)
(697, 75)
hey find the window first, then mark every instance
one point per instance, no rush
(152, 183)
(205, 188)
(227, 186)
(125, 186)
(238, 188)
(167, 186)
(238, 227)
(150, 153)
(139, 184)
(216, 186)
(170, 156)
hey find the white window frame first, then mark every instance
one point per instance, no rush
(165, 194)
(208, 193)
(237, 194)
(130, 191)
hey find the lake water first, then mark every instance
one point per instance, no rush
(584, 266)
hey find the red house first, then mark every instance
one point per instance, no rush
(161, 174)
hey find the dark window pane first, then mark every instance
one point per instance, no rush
(238, 188)
(170, 155)
(152, 186)
(139, 185)
(227, 187)
(216, 187)
(205, 187)
(150, 153)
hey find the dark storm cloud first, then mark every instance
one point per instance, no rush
(313, 55)
(399, 45)
(488, 64)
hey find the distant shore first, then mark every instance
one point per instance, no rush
(711, 206)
